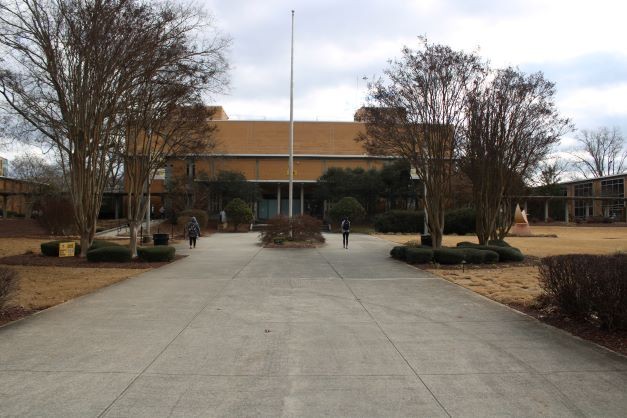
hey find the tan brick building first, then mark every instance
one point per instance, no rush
(598, 197)
(259, 150)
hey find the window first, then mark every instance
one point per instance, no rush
(191, 170)
(583, 208)
(613, 188)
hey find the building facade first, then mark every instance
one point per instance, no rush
(602, 197)
(259, 150)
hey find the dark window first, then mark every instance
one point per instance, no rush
(613, 188)
(583, 208)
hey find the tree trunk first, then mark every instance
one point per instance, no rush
(133, 233)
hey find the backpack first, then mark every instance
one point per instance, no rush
(191, 229)
(346, 225)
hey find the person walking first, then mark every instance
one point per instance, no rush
(346, 229)
(193, 231)
(223, 219)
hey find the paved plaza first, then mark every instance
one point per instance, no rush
(237, 330)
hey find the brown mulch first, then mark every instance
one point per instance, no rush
(615, 341)
(42, 260)
(14, 313)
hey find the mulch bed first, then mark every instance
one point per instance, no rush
(615, 341)
(13, 314)
(42, 260)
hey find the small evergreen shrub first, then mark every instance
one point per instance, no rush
(8, 284)
(112, 253)
(51, 248)
(200, 215)
(490, 257)
(588, 287)
(418, 255)
(405, 221)
(347, 207)
(399, 252)
(159, 253)
(499, 243)
(448, 255)
(505, 253)
(238, 212)
(98, 243)
(460, 221)
(474, 255)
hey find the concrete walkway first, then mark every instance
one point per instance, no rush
(236, 330)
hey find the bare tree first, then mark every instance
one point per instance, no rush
(512, 125)
(69, 69)
(416, 113)
(601, 152)
(550, 172)
(164, 114)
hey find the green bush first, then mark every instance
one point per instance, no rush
(159, 253)
(238, 212)
(406, 221)
(448, 255)
(51, 248)
(474, 255)
(347, 207)
(113, 253)
(399, 252)
(505, 253)
(98, 243)
(419, 255)
(588, 287)
(200, 215)
(499, 243)
(460, 221)
(490, 257)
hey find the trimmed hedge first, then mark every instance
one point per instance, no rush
(499, 243)
(200, 215)
(347, 206)
(98, 243)
(406, 221)
(505, 253)
(418, 255)
(588, 287)
(159, 253)
(490, 257)
(51, 248)
(399, 252)
(460, 221)
(474, 255)
(112, 253)
(448, 255)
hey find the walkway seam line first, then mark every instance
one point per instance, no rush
(358, 300)
(216, 296)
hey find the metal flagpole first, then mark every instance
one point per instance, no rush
(291, 160)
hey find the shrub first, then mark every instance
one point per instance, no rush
(588, 287)
(474, 255)
(238, 212)
(448, 255)
(399, 252)
(8, 284)
(159, 253)
(505, 253)
(406, 221)
(51, 248)
(200, 215)
(57, 215)
(113, 253)
(98, 243)
(419, 255)
(347, 207)
(490, 257)
(304, 228)
(460, 221)
(499, 243)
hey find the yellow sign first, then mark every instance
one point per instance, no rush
(66, 249)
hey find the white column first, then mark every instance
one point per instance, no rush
(302, 199)
(278, 199)
(546, 210)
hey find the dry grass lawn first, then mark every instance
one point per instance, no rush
(42, 287)
(519, 285)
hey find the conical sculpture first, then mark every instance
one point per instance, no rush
(521, 224)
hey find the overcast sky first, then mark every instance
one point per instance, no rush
(580, 45)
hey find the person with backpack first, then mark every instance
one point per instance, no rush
(346, 229)
(192, 230)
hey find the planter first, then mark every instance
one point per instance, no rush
(160, 239)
